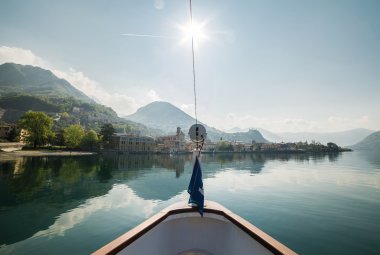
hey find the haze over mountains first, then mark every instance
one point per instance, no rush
(371, 142)
(167, 117)
(25, 88)
(344, 138)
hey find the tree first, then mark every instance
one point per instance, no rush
(90, 140)
(107, 131)
(224, 146)
(332, 146)
(73, 135)
(38, 126)
(59, 139)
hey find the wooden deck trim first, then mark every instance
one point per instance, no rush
(126, 239)
(212, 207)
(260, 236)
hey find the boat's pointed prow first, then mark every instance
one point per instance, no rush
(178, 229)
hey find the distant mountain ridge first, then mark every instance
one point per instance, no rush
(371, 142)
(32, 80)
(24, 87)
(167, 117)
(344, 138)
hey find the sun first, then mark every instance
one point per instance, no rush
(193, 30)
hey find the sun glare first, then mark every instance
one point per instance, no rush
(194, 30)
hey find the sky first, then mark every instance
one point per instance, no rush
(286, 66)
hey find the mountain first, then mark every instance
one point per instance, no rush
(268, 135)
(371, 142)
(167, 117)
(32, 80)
(24, 88)
(344, 138)
(273, 137)
(236, 130)
(247, 137)
(162, 115)
(66, 110)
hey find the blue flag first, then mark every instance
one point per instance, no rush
(196, 187)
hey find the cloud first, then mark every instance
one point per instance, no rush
(159, 4)
(274, 124)
(335, 119)
(153, 96)
(20, 56)
(344, 122)
(231, 117)
(293, 124)
(364, 119)
(122, 104)
(120, 196)
(80, 81)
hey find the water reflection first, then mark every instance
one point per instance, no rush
(59, 192)
(372, 156)
(120, 196)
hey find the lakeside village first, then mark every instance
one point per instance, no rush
(178, 143)
(74, 137)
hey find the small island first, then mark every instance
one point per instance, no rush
(299, 147)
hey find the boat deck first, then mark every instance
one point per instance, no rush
(179, 230)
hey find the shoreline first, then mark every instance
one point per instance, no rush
(39, 153)
(65, 153)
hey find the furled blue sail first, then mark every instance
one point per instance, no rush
(196, 187)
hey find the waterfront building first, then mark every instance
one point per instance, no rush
(239, 146)
(172, 143)
(4, 131)
(209, 146)
(269, 147)
(134, 143)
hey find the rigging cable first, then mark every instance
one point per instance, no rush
(192, 51)
(194, 83)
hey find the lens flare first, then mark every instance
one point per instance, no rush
(193, 30)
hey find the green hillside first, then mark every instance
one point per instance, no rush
(371, 142)
(31, 80)
(65, 111)
(26, 102)
(24, 88)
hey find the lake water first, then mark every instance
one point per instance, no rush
(315, 204)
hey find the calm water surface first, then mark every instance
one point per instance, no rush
(316, 204)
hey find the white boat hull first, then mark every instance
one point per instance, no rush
(179, 230)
